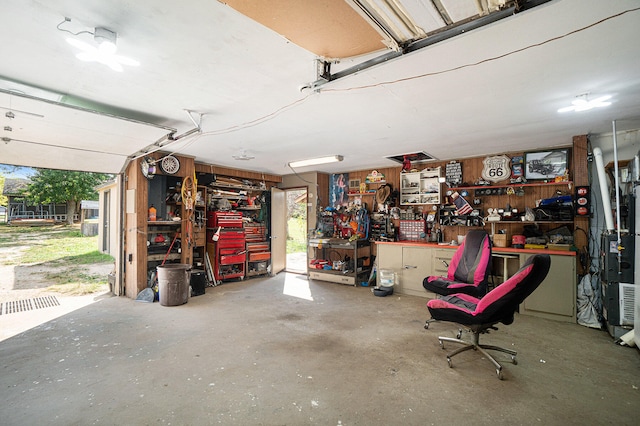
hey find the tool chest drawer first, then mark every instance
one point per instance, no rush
(262, 255)
(224, 219)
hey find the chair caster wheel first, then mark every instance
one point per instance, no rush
(426, 325)
(499, 373)
(449, 362)
(459, 335)
(441, 344)
(514, 360)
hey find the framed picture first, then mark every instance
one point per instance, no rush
(546, 164)
(338, 190)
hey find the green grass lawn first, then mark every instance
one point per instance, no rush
(63, 249)
(297, 235)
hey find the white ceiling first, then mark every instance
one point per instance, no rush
(494, 89)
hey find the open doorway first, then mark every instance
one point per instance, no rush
(297, 230)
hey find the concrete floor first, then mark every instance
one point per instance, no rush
(285, 351)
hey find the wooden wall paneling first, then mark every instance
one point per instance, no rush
(580, 178)
(323, 189)
(136, 233)
(236, 173)
(186, 231)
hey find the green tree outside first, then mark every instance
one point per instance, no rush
(3, 199)
(64, 186)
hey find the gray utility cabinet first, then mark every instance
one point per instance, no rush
(554, 299)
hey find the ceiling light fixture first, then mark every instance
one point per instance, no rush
(243, 156)
(105, 53)
(582, 103)
(316, 161)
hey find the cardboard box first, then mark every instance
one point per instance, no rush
(501, 240)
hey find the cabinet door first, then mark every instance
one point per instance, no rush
(389, 257)
(416, 265)
(441, 261)
(555, 298)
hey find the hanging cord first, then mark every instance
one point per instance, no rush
(187, 192)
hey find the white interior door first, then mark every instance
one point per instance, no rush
(278, 230)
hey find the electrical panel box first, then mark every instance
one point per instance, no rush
(618, 271)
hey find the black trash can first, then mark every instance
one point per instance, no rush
(198, 282)
(173, 283)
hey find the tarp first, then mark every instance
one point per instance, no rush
(589, 302)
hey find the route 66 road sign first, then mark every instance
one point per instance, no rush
(496, 168)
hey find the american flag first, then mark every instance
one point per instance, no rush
(462, 206)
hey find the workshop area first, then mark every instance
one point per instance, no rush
(315, 353)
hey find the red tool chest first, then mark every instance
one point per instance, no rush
(224, 219)
(228, 251)
(255, 232)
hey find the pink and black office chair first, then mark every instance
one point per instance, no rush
(468, 271)
(499, 305)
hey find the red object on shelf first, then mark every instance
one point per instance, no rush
(255, 232)
(224, 219)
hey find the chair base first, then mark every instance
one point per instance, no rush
(476, 346)
(429, 321)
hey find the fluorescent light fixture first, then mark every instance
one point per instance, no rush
(316, 161)
(582, 103)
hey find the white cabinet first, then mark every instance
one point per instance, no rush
(555, 298)
(420, 187)
(411, 265)
(441, 260)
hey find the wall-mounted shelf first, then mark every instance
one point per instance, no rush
(512, 185)
(421, 187)
(357, 194)
(526, 222)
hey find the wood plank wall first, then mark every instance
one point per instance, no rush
(581, 178)
(472, 171)
(236, 173)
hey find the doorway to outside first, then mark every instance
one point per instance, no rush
(297, 218)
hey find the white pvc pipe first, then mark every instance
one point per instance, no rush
(616, 176)
(617, 185)
(604, 189)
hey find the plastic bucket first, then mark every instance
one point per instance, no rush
(173, 283)
(387, 278)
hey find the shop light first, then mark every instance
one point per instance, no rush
(582, 103)
(102, 51)
(316, 161)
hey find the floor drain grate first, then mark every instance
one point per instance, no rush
(27, 304)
